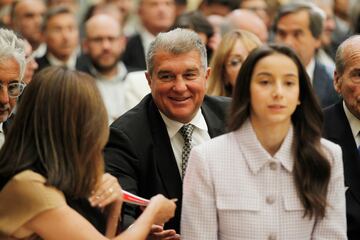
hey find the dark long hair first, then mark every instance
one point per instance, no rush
(311, 168)
(59, 131)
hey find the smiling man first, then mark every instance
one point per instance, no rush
(148, 145)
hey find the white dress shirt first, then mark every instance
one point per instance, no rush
(112, 91)
(310, 68)
(200, 134)
(235, 190)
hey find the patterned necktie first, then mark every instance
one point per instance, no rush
(186, 132)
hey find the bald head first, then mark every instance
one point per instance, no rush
(347, 49)
(247, 20)
(102, 22)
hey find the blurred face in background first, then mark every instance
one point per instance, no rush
(157, 15)
(31, 64)
(61, 35)
(104, 43)
(234, 61)
(27, 20)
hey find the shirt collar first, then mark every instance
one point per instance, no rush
(310, 68)
(173, 127)
(353, 121)
(256, 156)
(120, 76)
(70, 63)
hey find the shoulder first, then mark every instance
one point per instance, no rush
(332, 150)
(217, 103)
(32, 186)
(25, 196)
(216, 145)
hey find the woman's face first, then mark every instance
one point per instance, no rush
(234, 61)
(274, 90)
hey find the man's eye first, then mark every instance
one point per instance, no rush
(165, 77)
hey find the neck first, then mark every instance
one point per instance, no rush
(109, 73)
(271, 136)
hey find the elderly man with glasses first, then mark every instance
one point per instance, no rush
(12, 68)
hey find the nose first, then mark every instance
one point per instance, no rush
(278, 90)
(179, 85)
(4, 95)
(288, 40)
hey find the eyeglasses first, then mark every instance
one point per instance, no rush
(14, 89)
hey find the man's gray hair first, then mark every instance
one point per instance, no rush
(339, 58)
(316, 15)
(177, 41)
(12, 46)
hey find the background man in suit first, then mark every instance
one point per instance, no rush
(61, 35)
(342, 126)
(156, 16)
(300, 25)
(103, 45)
(146, 144)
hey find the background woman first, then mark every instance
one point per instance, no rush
(272, 176)
(227, 60)
(53, 150)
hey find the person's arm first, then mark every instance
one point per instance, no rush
(199, 214)
(108, 195)
(333, 225)
(65, 223)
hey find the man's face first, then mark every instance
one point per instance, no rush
(293, 30)
(61, 35)
(157, 15)
(28, 17)
(348, 83)
(104, 44)
(178, 84)
(9, 73)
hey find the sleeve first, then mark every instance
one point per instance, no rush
(121, 161)
(199, 215)
(333, 225)
(23, 199)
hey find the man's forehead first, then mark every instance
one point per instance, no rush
(9, 70)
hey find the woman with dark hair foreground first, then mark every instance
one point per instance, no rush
(53, 151)
(272, 176)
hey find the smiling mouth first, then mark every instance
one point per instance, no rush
(179, 99)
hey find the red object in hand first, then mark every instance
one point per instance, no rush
(133, 199)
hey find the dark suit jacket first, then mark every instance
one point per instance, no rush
(323, 85)
(337, 129)
(43, 62)
(140, 155)
(134, 56)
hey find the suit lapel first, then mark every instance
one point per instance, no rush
(163, 155)
(214, 123)
(342, 135)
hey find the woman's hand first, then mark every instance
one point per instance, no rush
(163, 208)
(108, 191)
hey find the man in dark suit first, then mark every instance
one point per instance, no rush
(146, 147)
(61, 36)
(300, 25)
(342, 125)
(156, 16)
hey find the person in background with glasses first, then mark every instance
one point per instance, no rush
(227, 60)
(12, 68)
